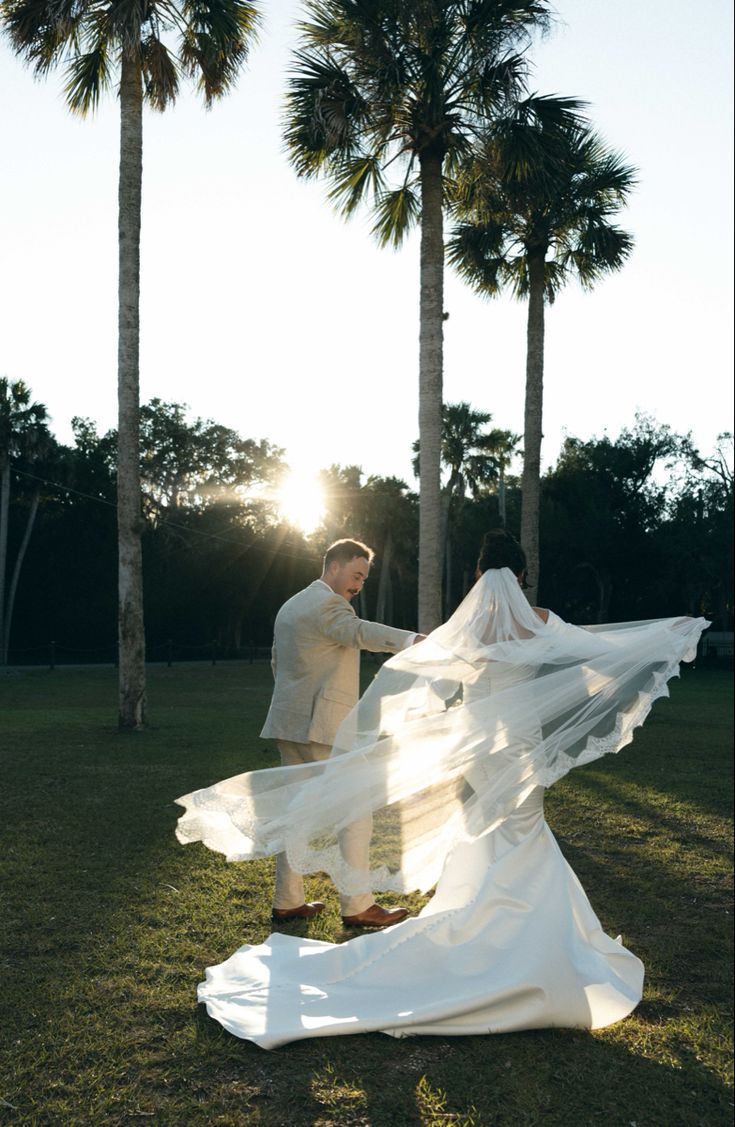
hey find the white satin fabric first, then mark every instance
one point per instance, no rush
(509, 941)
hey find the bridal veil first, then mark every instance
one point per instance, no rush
(449, 738)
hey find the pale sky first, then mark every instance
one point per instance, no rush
(263, 310)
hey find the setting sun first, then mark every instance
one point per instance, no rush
(301, 501)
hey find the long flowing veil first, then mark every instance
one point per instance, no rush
(450, 737)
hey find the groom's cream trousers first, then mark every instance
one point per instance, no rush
(354, 841)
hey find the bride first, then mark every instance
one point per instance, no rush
(451, 749)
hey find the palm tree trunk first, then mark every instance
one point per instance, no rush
(531, 480)
(604, 582)
(131, 638)
(448, 578)
(4, 515)
(5, 635)
(446, 505)
(430, 392)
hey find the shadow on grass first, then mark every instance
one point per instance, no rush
(548, 1076)
(109, 924)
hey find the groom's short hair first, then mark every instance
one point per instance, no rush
(345, 550)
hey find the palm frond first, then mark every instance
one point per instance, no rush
(478, 254)
(41, 33)
(322, 27)
(225, 23)
(495, 83)
(556, 275)
(332, 23)
(471, 189)
(325, 112)
(216, 38)
(536, 146)
(455, 159)
(396, 213)
(487, 25)
(604, 175)
(358, 177)
(552, 112)
(160, 74)
(215, 71)
(600, 249)
(481, 469)
(88, 76)
(515, 275)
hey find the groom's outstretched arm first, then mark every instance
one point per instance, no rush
(339, 623)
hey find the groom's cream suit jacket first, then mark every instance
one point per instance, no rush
(316, 663)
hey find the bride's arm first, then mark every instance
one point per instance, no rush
(542, 613)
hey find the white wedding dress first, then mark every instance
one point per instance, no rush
(459, 742)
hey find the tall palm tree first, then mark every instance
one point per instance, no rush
(535, 203)
(475, 458)
(384, 99)
(99, 39)
(23, 433)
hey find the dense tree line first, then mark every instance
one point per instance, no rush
(420, 109)
(633, 527)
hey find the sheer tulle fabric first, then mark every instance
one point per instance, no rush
(452, 735)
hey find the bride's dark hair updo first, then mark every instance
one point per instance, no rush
(500, 549)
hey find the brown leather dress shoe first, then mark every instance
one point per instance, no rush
(375, 916)
(303, 912)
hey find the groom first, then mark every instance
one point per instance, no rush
(316, 666)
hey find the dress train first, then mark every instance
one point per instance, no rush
(509, 941)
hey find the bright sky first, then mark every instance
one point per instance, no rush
(263, 310)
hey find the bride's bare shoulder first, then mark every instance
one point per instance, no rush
(542, 613)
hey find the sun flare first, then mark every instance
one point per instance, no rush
(301, 501)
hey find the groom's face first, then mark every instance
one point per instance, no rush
(347, 579)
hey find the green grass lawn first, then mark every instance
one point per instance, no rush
(107, 924)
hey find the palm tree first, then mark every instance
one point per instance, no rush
(472, 455)
(475, 458)
(535, 204)
(23, 433)
(97, 39)
(389, 525)
(385, 88)
(504, 444)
